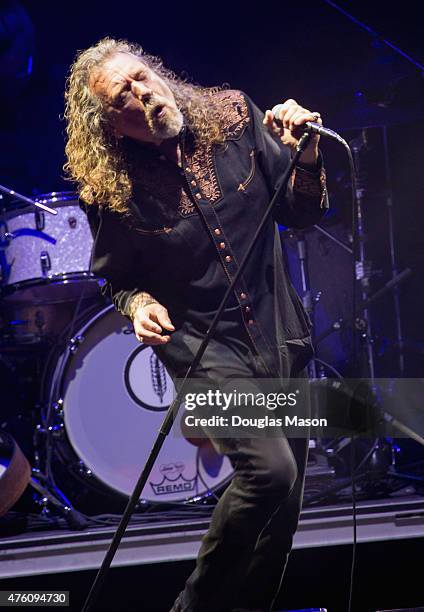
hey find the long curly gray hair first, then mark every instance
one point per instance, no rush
(99, 163)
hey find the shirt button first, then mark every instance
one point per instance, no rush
(217, 232)
(247, 309)
(250, 321)
(193, 183)
(198, 196)
(243, 296)
(222, 245)
(228, 259)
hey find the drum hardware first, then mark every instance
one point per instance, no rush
(48, 493)
(83, 469)
(40, 323)
(45, 263)
(46, 259)
(58, 408)
(102, 404)
(376, 471)
(40, 299)
(333, 450)
(334, 327)
(364, 268)
(40, 221)
(310, 301)
(73, 345)
(57, 499)
(22, 198)
(328, 297)
(333, 238)
(5, 238)
(17, 475)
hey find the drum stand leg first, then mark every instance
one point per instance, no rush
(74, 518)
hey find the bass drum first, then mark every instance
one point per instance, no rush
(113, 393)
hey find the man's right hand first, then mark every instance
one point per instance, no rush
(149, 320)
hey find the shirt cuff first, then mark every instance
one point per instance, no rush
(311, 182)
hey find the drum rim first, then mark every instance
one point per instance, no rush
(56, 196)
(58, 378)
(7, 291)
(51, 198)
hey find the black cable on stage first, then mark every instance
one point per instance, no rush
(352, 475)
(354, 358)
(354, 353)
(202, 480)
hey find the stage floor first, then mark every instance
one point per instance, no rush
(65, 550)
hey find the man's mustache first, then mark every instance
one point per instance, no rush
(154, 106)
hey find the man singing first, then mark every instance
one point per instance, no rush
(175, 179)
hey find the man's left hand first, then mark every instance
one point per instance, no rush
(292, 116)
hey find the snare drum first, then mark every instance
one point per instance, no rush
(47, 257)
(113, 393)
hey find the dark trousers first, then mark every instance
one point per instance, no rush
(243, 555)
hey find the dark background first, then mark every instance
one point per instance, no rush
(308, 51)
(273, 51)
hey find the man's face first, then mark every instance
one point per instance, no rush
(139, 104)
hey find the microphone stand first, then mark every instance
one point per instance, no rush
(173, 408)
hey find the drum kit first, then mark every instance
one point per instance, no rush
(101, 395)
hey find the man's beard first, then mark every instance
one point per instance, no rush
(167, 126)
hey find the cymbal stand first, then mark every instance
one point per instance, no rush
(363, 267)
(309, 301)
(393, 261)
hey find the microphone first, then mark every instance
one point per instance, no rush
(309, 126)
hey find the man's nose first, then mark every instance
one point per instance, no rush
(142, 92)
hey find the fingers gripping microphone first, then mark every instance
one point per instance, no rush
(309, 126)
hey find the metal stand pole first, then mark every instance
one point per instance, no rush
(362, 265)
(393, 262)
(307, 297)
